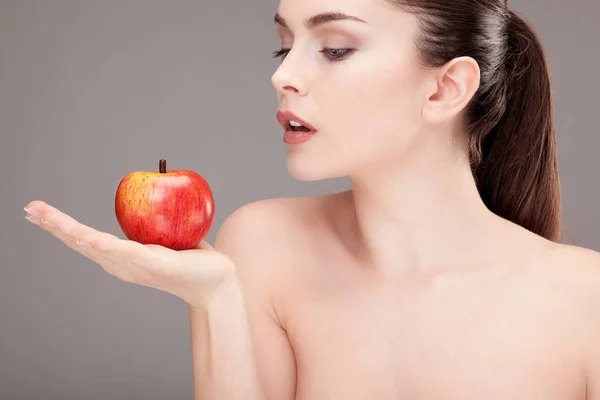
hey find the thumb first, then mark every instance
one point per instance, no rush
(203, 245)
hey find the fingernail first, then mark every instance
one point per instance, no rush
(32, 212)
(47, 223)
(32, 219)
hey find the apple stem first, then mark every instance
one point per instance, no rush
(162, 166)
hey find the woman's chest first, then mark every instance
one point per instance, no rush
(353, 343)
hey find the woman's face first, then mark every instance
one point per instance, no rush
(358, 83)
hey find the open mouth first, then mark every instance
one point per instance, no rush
(296, 127)
(293, 123)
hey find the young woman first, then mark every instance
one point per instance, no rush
(440, 274)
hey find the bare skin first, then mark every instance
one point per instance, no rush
(324, 325)
(405, 287)
(517, 328)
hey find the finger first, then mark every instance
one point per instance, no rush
(64, 223)
(119, 257)
(142, 257)
(74, 244)
(145, 264)
(38, 207)
(203, 245)
(114, 266)
(89, 241)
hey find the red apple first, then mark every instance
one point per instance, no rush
(173, 208)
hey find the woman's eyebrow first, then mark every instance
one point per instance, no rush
(320, 19)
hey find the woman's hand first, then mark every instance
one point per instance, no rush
(195, 275)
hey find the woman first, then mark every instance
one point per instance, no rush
(439, 275)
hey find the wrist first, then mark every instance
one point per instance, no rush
(229, 290)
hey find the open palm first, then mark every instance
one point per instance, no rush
(193, 275)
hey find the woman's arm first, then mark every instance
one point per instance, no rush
(223, 357)
(593, 377)
(584, 265)
(239, 349)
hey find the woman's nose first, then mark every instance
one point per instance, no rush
(287, 79)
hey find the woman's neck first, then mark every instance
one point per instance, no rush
(422, 215)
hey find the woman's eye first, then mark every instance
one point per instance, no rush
(281, 53)
(336, 54)
(330, 54)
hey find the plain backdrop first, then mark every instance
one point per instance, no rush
(93, 90)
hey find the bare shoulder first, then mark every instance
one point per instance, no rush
(577, 265)
(575, 274)
(274, 221)
(267, 238)
(580, 268)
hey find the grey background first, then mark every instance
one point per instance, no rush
(92, 90)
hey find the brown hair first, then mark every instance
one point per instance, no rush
(510, 119)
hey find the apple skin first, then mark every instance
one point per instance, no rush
(174, 209)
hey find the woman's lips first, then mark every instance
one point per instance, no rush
(297, 137)
(291, 136)
(285, 116)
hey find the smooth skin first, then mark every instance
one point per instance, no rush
(405, 286)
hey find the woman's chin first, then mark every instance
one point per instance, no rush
(305, 174)
(305, 171)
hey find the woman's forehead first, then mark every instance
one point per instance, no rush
(377, 13)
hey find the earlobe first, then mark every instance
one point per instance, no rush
(456, 83)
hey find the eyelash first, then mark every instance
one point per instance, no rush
(283, 52)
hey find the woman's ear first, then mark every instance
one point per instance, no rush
(454, 86)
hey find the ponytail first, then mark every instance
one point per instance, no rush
(509, 120)
(517, 174)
